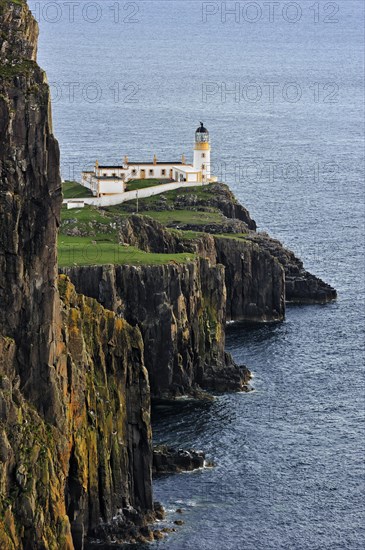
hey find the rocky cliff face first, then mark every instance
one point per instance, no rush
(59, 480)
(253, 275)
(300, 286)
(108, 406)
(30, 200)
(254, 279)
(180, 310)
(75, 441)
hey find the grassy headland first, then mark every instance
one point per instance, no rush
(90, 235)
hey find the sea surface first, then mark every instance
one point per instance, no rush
(136, 78)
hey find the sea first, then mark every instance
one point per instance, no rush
(280, 87)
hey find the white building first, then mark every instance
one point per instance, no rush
(111, 180)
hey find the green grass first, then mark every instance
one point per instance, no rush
(154, 203)
(175, 217)
(87, 214)
(233, 236)
(133, 185)
(100, 251)
(100, 243)
(74, 190)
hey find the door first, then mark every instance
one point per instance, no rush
(143, 174)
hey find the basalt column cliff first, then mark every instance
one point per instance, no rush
(75, 439)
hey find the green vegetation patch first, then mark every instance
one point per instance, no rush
(74, 190)
(233, 236)
(77, 251)
(166, 200)
(25, 67)
(87, 214)
(5, 3)
(134, 185)
(175, 217)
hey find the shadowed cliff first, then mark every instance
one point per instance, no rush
(75, 437)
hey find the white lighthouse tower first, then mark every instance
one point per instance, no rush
(202, 153)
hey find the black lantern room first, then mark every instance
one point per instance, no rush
(202, 134)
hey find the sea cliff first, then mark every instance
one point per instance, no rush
(75, 433)
(182, 308)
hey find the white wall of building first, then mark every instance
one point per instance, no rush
(111, 186)
(158, 171)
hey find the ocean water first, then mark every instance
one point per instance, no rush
(280, 87)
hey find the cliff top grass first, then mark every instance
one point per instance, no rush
(90, 235)
(163, 201)
(134, 185)
(74, 190)
(189, 235)
(176, 217)
(78, 251)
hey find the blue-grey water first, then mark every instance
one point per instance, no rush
(290, 455)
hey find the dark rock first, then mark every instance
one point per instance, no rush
(300, 286)
(75, 437)
(159, 510)
(181, 312)
(167, 460)
(150, 237)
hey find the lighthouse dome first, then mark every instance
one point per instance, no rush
(202, 134)
(202, 129)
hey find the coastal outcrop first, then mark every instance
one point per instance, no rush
(168, 460)
(301, 286)
(30, 202)
(180, 310)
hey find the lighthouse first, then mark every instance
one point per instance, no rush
(202, 152)
(109, 179)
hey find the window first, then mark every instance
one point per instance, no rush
(134, 172)
(151, 172)
(203, 166)
(163, 172)
(114, 174)
(203, 155)
(104, 174)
